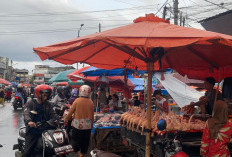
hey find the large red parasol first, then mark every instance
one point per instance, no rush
(187, 50)
(147, 44)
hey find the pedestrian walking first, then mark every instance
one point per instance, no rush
(82, 123)
(2, 94)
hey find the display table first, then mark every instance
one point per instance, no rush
(190, 141)
(105, 137)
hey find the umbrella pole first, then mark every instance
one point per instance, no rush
(125, 86)
(220, 75)
(145, 89)
(95, 99)
(150, 66)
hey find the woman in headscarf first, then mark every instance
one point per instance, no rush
(74, 95)
(217, 133)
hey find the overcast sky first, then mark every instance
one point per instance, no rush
(33, 23)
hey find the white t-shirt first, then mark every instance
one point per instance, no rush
(161, 102)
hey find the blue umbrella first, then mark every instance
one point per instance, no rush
(140, 88)
(93, 71)
(139, 81)
(14, 84)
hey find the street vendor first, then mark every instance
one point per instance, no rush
(206, 102)
(161, 103)
(115, 104)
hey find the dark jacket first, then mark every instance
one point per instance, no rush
(2, 94)
(49, 113)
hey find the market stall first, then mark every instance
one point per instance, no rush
(150, 43)
(106, 134)
(186, 128)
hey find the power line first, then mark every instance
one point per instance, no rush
(125, 2)
(56, 30)
(161, 7)
(67, 13)
(58, 21)
(53, 21)
(217, 5)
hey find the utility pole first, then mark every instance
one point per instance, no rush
(79, 30)
(99, 27)
(175, 10)
(181, 19)
(164, 12)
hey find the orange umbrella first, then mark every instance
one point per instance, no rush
(147, 44)
(184, 48)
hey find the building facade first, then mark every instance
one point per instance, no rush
(43, 73)
(6, 69)
(21, 75)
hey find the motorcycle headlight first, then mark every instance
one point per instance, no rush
(47, 136)
(59, 137)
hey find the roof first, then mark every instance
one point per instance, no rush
(216, 16)
(220, 23)
(21, 70)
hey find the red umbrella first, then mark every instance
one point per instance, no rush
(5, 82)
(149, 43)
(185, 48)
(26, 85)
(62, 84)
(76, 75)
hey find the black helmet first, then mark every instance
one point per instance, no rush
(60, 90)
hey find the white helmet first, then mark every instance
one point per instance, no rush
(84, 91)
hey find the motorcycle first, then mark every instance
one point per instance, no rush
(54, 141)
(17, 103)
(171, 146)
(60, 107)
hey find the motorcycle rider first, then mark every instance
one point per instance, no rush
(82, 123)
(19, 93)
(25, 94)
(59, 99)
(37, 110)
(67, 91)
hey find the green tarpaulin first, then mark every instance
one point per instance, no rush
(61, 76)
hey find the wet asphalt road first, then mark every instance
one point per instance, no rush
(10, 122)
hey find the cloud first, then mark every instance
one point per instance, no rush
(23, 23)
(26, 24)
(17, 37)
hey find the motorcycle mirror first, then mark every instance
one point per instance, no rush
(52, 122)
(162, 125)
(34, 112)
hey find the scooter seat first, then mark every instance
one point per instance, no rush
(22, 132)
